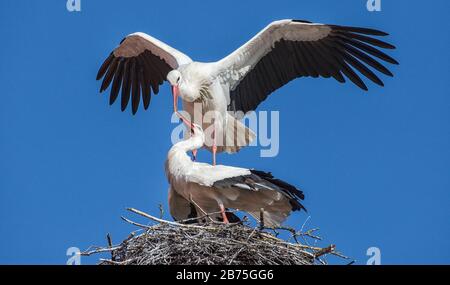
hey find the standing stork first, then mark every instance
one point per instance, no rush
(197, 188)
(283, 51)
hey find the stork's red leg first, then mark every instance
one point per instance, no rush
(224, 215)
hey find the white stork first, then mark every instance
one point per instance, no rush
(281, 52)
(197, 188)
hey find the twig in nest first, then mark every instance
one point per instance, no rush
(135, 224)
(99, 250)
(163, 221)
(109, 240)
(325, 250)
(161, 211)
(261, 219)
(125, 262)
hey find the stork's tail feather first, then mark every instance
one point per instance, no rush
(260, 190)
(294, 194)
(237, 135)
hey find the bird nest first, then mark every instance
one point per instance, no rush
(213, 243)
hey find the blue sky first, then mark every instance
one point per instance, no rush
(374, 166)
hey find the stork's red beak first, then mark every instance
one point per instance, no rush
(175, 98)
(186, 121)
(175, 107)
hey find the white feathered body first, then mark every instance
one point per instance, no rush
(205, 97)
(208, 187)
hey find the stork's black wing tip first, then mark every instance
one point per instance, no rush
(301, 21)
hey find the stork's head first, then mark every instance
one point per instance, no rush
(181, 86)
(197, 130)
(197, 137)
(174, 77)
(194, 128)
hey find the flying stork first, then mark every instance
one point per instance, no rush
(281, 52)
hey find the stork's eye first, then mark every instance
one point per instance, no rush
(178, 79)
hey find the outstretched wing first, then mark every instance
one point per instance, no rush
(138, 65)
(289, 49)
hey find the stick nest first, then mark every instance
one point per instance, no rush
(212, 243)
